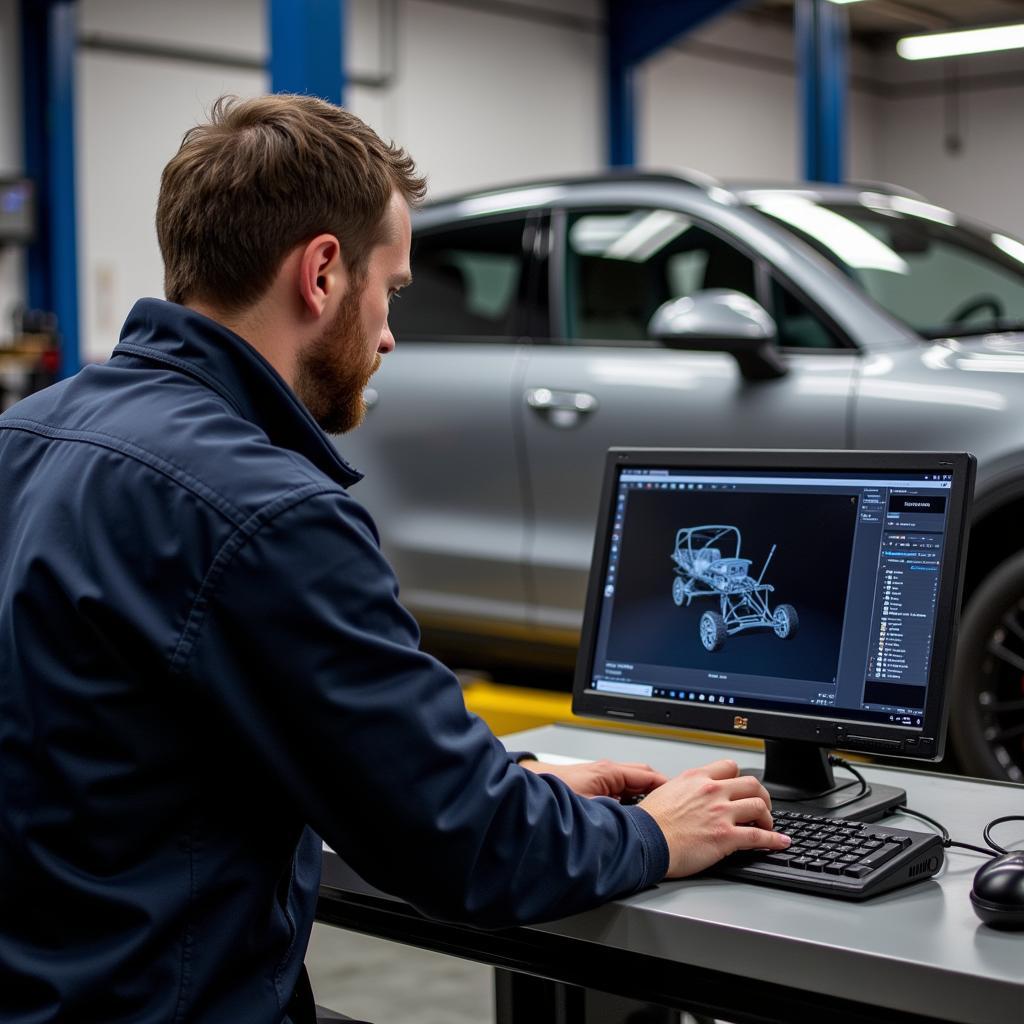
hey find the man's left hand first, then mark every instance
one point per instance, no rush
(603, 778)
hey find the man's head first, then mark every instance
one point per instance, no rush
(290, 214)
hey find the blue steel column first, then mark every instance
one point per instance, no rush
(307, 47)
(48, 35)
(621, 115)
(34, 64)
(637, 29)
(821, 39)
(63, 24)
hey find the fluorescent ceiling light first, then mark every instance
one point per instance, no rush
(846, 1)
(855, 246)
(952, 44)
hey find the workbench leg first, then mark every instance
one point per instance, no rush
(526, 999)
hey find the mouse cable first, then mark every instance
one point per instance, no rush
(999, 821)
(993, 848)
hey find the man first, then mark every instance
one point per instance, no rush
(203, 662)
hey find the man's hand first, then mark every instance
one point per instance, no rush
(706, 813)
(603, 778)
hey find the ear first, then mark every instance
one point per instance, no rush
(322, 276)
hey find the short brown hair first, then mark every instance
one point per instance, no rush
(263, 176)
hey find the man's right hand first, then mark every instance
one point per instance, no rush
(707, 813)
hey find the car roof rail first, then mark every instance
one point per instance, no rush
(675, 176)
(885, 187)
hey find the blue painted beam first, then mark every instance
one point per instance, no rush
(822, 36)
(63, 33)
(35, 133)
(48, 41)
(636, 30)
(307, 47)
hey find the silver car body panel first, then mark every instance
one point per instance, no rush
(485, 484)
(446, 492)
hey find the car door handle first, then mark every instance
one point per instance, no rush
(561, 408)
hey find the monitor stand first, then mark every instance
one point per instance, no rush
(799, 778)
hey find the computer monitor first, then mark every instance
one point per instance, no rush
(806, 597)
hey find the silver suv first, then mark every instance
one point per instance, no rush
(550, 321)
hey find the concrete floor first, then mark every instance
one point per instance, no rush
(388, 983)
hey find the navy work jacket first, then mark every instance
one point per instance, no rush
(204, 665)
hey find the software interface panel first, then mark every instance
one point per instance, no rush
(794, 590)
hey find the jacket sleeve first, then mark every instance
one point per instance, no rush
(299, 638)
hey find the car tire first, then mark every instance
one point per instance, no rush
(678, 591)
(785, 621)
(986, 718)
(712, 631)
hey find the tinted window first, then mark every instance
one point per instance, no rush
(467, 282)
(798, 325)
(913, 259)
(622, 265)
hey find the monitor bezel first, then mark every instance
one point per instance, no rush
(926, 742)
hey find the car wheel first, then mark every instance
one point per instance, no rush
(785, 621)
(678, 590)
(712, 631)
(987, 707)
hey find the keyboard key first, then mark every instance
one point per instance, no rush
(880, 856)
(856, 870)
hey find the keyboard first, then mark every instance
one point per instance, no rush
(851, 860)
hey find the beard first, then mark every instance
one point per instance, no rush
(333, 371)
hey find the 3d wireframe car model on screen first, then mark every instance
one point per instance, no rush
(701, 571)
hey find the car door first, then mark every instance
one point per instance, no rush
(438, 445)
(600, 381)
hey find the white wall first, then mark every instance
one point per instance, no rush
(12, 274)
(478, 97)
(132, 112)
(984, 179)
(487, 98)
(725, 101)
(482, 94)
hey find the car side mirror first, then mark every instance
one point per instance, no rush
(721, 320)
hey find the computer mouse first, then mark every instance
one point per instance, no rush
(998, 892)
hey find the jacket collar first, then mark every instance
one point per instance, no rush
(184, 340)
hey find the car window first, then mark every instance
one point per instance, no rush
(467, 282)
(914, 259)
(798, 325)
(621, 265)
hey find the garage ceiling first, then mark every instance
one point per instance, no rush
(880, 22)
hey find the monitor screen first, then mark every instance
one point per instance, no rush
(798, 596)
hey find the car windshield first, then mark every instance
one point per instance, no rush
(939, 277)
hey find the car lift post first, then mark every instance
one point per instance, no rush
(822, 33)
(307, 52)
(48, 44)
(635, 30)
